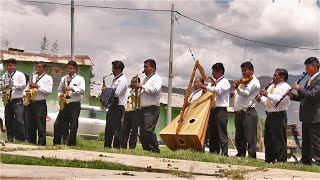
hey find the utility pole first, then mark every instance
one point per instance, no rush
(72, 30)
(169, 104)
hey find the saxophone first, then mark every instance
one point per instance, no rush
(6, 93)
(31, 93)
(64, 98)
(133, 102)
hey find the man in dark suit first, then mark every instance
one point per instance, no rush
(309, 114)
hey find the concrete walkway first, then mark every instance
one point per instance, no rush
(201, 170)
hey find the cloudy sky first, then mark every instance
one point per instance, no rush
(134, 36)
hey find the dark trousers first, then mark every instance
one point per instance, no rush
(113, 126)
(14, 120)
(310, 143)
(275, 138)
(129, 128)
(246, 132)
(69, 116)
(218, 138)
(37, 119)
(26, 115)
(148, 118)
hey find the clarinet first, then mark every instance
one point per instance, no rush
(276, 105)
(257, 97)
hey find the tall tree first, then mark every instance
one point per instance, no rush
(44, 44)
(54, 47)
(5, 43)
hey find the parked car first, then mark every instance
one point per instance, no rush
(92, 120)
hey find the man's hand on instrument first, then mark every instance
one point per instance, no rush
(236, 84)
(295, 86)
(138, 85)
(67, 88)
(61, 96)
(232, 93)
(33, 85)
(290, 94)
(200, 85)
(264, 93)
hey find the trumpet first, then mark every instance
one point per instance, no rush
(30, 93)
(276, 104)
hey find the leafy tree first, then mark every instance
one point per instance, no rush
(54, 47)
(5, 43)
(44, 44)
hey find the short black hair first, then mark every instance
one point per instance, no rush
(118, 65)
(43, 64)
(247, 64)
(218, 67)
(151, 62)
(283, 72)
(313, 61)
(73, 63)
(200, 79)
(136, 78)
(12, 61)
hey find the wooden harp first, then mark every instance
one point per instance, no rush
(188, 129)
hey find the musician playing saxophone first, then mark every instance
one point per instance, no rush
(130, 124)
(246, 118)
(275, 139)
(73, 85)
(40, 87)
(14, 107)
(218, 134)
(116, 110)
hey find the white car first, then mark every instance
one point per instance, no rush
(92, 121)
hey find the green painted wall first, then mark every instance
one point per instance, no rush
(56, 71)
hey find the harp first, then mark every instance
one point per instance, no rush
(188, 129)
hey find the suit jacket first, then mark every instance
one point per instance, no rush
(309, 98)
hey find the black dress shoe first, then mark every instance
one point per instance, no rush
(240, 155)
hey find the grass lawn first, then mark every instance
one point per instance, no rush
(93, 145)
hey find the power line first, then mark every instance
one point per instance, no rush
(101, 7)
(185, 16)
(255, 41)
(185, 38)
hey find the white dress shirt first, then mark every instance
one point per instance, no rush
(151, 91)
(279, 90)
(245, 94)
(120, 84)
(222, 90)
(19, 84)
(195, 95)
(78, 85)
(45, 83)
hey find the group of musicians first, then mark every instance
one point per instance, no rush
(276, 99)
(145, 113)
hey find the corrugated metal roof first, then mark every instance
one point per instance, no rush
(49, 58)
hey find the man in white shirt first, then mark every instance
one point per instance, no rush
(72, 87)
(197, 90)
(116, 110)
(41, 87)
(275, 139)
(130, 124)
(150, 106)
(246, 115)
(14, 107)
(218, 137)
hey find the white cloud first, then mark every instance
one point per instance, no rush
(134, 36)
